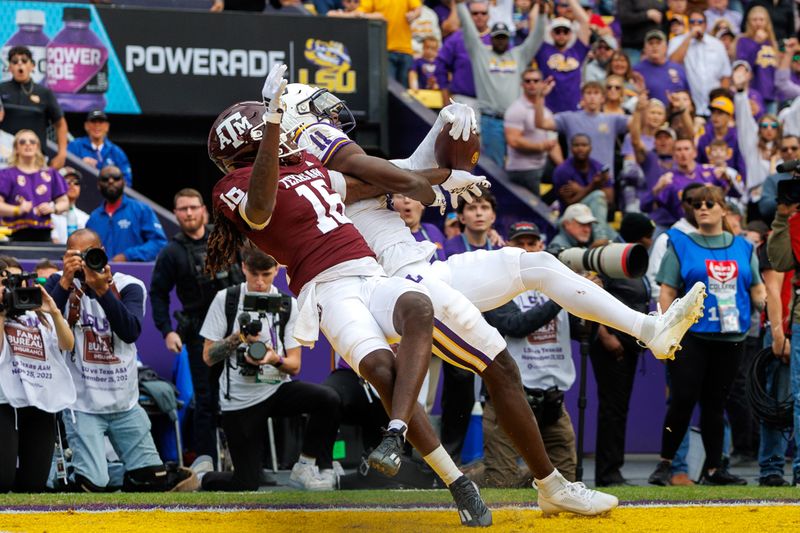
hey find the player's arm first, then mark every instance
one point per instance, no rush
(263, 185)
(353, 161)
(358, 190)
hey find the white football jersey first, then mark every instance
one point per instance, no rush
(383, 229)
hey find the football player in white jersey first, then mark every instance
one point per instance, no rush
(488, 279)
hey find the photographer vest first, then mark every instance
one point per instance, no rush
(103, 366)
(33, 370)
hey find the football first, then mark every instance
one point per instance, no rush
(457, 154)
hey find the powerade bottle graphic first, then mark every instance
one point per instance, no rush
(29, 33)
(77, 64)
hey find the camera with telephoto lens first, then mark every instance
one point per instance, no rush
(20, 294)
(789, 190)
(614, 260)
(94, 258)
(256, 350)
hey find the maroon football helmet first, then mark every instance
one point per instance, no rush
(235, 136)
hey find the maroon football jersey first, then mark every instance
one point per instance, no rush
(308, 231)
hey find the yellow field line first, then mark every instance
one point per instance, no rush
(718, 519)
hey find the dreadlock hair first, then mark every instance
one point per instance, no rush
(223, 244)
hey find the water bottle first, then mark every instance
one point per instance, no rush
(72, 221)
(77, 64)
(30, 24)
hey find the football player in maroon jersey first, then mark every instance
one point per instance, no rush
(287, 204)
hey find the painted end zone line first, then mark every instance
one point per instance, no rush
(178, 508)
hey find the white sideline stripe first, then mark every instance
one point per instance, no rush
(629, 505)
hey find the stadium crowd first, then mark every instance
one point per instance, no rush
(636, 121)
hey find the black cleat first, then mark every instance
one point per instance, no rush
(471, 509)
(386, 457)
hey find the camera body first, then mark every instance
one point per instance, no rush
(268, 304)
(20, 294)
(94, 258)
(789, 190)
(256, 350)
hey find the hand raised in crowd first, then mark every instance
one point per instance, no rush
(639, 83)
(697, 32)
(662, 183)
(173, 342)
(72, 264)
(740, 78)
(655, 15)
(760, 35)
(546, 87)
(58, 161)
(99, 282)
(790, 45)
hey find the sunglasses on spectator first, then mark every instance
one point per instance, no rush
(532, 80)
(697, 22)
(24, 141)
(615, 87)
(109, 177)
(773, 125)
(77, 183)
(708, 204)
(187, 208)
(479, 12)
(19, 60)
(789, 148)
(560, 31)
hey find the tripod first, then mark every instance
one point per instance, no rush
(584, 335)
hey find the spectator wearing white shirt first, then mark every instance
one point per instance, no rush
(74, 218)
(718, 9)
(705, 59)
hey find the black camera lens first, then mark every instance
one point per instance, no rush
(95, 258)
(257, 351)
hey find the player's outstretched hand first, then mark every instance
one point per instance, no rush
(273, 87)
(462, 183)
(462, 120)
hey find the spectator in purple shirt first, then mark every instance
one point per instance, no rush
(423, 71)
(476, 220)
(410, 211)
(30, 191)
(563, 62)
(581, 179)
(453, 66)
(757, 46)
(660, 75)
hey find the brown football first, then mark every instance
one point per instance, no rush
(457, 154)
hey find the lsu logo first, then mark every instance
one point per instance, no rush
(561, 63)
(766, 57)
(333, 61)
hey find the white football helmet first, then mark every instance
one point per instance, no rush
(304, 105)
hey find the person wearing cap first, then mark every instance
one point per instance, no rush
(719, 127)
(528, 146)
(79, 217)
(27, 105)
(661, 76)
(723, 31)
(562, 61)
(596, 69)
(637, 18)
(718, 9)
(538, 335)
(497, 70)
(705, 59)
(614, 359)
(576, 228)
(128, 228)
(96, 150)
(451, 226)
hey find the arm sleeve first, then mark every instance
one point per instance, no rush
(126, 312)
(161, 284)
(152, 235)
(57, 292)
(510, 320)
(472, 41)
(747, 134)
(525, 52)
(424, 156)
(779, 245)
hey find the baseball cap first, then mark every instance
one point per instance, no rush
(579, 213)
(70, 171)
(523, 228)
(722, 103)
(634, 226)
(741, 63)
(97, 114)
(669, 131)
(723, 31)
(500, 28)
(450, 218)
(655, 34)
(561, 22)
(609, 40)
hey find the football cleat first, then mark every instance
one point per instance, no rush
(672, 325)
(471, 509)
(385, 458)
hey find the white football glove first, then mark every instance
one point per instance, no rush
(440, 201)
(462, 118)
(462, 183)
(273, 87)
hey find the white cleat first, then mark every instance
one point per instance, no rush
(308, 477)
(576, 498)
(672, 325)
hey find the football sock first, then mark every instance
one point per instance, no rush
(552, 483)
(441, 463)
(398, 425)
(542, 272)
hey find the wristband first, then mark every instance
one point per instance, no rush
(16, 211)
(279, 363)
(273, 117)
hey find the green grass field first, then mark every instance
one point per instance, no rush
(493, 497)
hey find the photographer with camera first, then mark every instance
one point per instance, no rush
(249, 330)
(783, 249)
(181, 265)
(34, 380)
(105, 312)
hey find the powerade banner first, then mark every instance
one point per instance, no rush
(137, 61)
